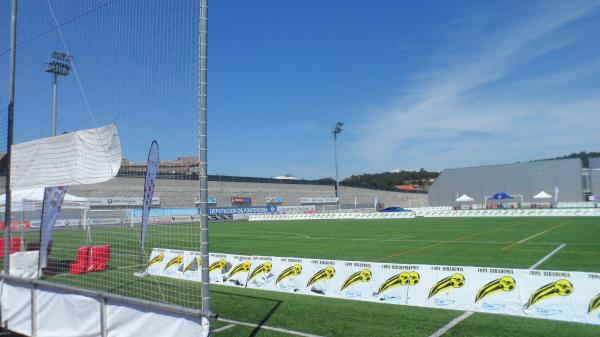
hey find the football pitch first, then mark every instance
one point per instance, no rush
(569, 244)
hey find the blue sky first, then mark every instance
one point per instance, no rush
(433, 84)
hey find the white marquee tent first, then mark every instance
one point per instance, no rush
(542, 195)
(464, 198)
(31, 198)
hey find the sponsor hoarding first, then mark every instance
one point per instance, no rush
(167, 212)
(241, 200)
(296, 209)
(556, 295)
(241, 210)
(122, 201)
(276, 200)
(326, 200)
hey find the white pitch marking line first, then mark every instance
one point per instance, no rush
(223, 328)
(542, 260)
(535, 235)
(452, 323)
(266, 327)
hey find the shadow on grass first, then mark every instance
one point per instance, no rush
(57, 267)
(267, 316)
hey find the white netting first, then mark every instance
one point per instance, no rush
(133, 63)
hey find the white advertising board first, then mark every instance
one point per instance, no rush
(557, 295)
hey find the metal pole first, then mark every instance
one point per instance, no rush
(54, 78)
(337, 180)
(9, 133)
(203, 165)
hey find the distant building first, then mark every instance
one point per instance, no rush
(181, 165)
(525, 179)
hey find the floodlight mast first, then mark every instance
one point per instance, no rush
(336, 131)
(59, 64)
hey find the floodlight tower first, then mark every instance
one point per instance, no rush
(336, 131)
(59, 64)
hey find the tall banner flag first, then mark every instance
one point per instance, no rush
(53, 198)
(556, 195)
(151, 171)
(378, 204)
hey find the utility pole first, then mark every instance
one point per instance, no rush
(59, 64)
(336, 131)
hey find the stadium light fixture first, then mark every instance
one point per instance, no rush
(59, 64)
(336, 131)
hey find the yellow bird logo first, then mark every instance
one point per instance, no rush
(325, 273)
(364, 275)
(240, 268)
(158, 258)
(177, 260)
(263, 268)
(559, 288)
(194, 265)
(402, 279)
(594, 303)
(455, 281)
(294, 270)
(505, 283)
(217, 265)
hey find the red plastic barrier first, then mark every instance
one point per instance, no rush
(14, 246)
(81, 265)
(99, 257)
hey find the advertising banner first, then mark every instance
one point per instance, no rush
(53, 198)
(306, 200)
(241, 200)
(295, 209)
(151, 171)
(241, 210)
(276, 200)
(121, 201)
(557, 295)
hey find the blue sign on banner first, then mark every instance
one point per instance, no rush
(241, 210)
(167, 212)
(212, 200)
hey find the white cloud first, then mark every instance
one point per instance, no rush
(449, 119)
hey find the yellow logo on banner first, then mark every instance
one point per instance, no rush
(455, 281)
(364, 275)
(505, 283)
(594, 303)
(403, 279)
(558, 288)
(294, 270)
(325, 273)
(242, 267)
(194, 265)
(158, 258)
(263, 268)
(217, 265)
(174, 261)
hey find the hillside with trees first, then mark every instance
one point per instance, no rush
(420, 180)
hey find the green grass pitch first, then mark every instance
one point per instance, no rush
(491, 242)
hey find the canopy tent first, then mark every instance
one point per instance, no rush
(542, 195)
(503, 198)
(500, 196)
(464, 198)
(31, 198)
